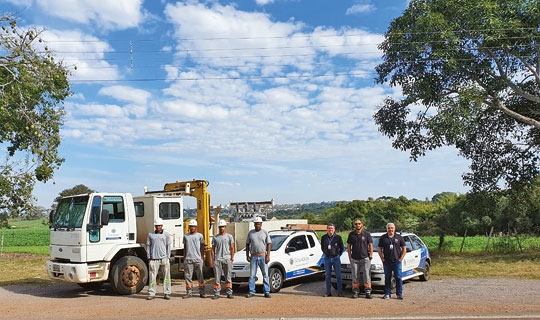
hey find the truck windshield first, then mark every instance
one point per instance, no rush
(70, 212)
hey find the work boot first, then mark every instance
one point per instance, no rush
(368, 295)
(230, 296)
(167, 297)
(187, 296)
(150, 297)
(355, 295)
(215, 297)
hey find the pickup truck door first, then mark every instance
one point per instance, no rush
(315, 253)
(299, 257)
(412, 258)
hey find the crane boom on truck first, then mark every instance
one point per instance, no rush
(101, 237)
(197, 189)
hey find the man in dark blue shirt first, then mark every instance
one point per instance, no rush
(332, 247)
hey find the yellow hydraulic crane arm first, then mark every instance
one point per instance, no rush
(197, 189)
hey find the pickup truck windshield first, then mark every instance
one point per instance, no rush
(70, 212)
(277, 241)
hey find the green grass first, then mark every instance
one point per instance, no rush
(26, 236)
(486, 265)
(476, 244)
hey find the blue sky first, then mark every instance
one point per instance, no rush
(263, 98)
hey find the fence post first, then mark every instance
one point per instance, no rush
(463, 241)
(489, 237)
(519, 242)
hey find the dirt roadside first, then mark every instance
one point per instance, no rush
(437, 298)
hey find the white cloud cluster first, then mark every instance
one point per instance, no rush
(106, 15)
(244, 97)
(361, 9)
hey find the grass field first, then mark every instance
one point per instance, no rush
(26, 247)
(31, 236)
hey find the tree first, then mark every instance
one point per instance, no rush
(32, 87)
(469, 72)
(78, 189)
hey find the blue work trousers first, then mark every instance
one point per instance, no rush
(334, 263)
(389, 269)
(258, 262)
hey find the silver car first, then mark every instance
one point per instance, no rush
(417, 262)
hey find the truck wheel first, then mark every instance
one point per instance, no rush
(128, 275)
(276, 279)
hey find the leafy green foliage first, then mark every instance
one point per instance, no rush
(32, 87)
(469, 75)
(76, 190)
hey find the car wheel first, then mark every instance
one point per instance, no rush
(276, 279)
(425, 276)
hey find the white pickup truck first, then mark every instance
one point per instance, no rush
(295, 253)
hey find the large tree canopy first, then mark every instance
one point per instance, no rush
(32, 87)
(469, 71)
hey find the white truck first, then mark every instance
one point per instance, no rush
(101, 237)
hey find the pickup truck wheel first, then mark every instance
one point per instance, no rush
(425, 276)
(276, 279)
(128, 275)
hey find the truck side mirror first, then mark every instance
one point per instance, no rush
(290, 249)
(51, 215)
(105, 217)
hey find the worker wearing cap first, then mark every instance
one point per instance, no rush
(193, 259)
(222, 258)
(258, 246)
(158, 248)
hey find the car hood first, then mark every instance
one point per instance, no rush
(345, 258)
(240, 257)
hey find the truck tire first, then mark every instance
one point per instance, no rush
(276, 279)
(128, 275)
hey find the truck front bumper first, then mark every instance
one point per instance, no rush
(77, 272)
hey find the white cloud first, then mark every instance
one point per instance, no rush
(126, 94)
(223, 36)
(264, 2)
(83, 54)
(108, 15)
(360, 9)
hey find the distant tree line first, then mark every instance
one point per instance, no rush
(446, 213)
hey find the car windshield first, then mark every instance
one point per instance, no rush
(375, 242)
(277, 241)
